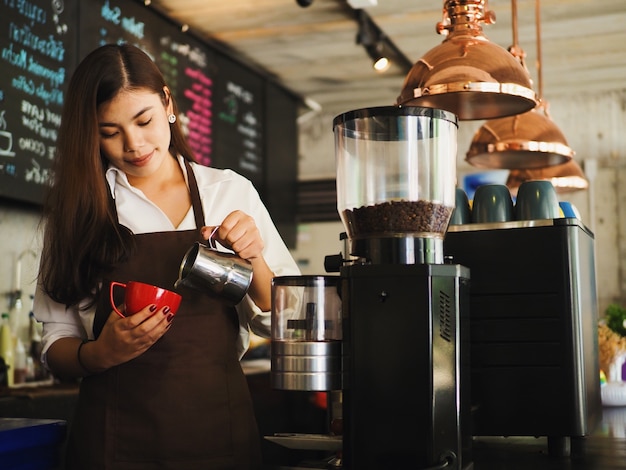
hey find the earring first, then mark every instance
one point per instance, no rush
(171, 118)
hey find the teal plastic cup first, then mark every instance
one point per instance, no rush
(492, 203)
(537, 200)
(461, 213)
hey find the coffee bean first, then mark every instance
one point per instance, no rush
(416, 217)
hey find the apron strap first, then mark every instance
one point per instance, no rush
(194, 192)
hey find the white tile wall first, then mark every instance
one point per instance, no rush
(19, 235)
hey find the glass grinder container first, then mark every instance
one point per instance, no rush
(306, 333)
(396, 176)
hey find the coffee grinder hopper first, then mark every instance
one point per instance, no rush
(396, 176)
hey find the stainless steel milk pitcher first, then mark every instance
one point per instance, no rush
(222, 275)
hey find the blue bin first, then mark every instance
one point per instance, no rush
(31, 444)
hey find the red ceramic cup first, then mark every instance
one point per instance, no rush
(139, 295)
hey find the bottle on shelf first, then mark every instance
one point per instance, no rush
(30, 369)
(18, 319)
(19, 362)
(6, 348)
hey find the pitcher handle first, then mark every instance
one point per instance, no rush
(211, 241)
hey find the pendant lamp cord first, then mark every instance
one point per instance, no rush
(538, 32)
(514, 23)
(515, 49)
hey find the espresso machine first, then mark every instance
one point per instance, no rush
(533, 328)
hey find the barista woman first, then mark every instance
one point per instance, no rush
(127, 201)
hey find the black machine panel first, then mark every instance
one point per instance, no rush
(533, 328)
(401, 337)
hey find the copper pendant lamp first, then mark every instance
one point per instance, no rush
(467, 74)
(565, 178)
(526, 141)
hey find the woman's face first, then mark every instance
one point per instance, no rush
(134, 131)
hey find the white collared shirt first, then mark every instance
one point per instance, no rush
(221, 192)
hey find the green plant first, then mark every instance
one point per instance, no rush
(615, 318)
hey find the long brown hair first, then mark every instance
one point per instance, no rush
(82, 238)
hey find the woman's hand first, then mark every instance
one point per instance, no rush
(123, 339)
(239, 233)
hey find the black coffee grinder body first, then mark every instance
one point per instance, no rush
(402, 366)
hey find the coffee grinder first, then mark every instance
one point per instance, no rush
(306, 353)
(403, 307)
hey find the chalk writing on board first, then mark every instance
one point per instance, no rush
(34, 58)
(238, 109)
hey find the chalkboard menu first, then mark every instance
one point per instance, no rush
(37, 52)
(230, 114)
(239, 121)
(187, 64)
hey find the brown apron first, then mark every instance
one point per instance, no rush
(182, 405)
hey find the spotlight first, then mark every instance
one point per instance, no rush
(381, 62)
(372, 39)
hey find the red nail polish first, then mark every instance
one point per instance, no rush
(152, 308)
(166, 310)
(170, 317)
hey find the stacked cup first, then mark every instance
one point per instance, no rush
(461, 213)
(492, 203)
(537, 200)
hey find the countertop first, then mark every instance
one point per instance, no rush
(604, 449)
